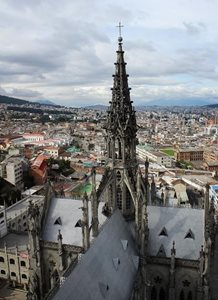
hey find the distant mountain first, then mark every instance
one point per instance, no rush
(16, 101)
(11, 100)
(46, 102)
(178, 102)
(211, 105)
(97, 107)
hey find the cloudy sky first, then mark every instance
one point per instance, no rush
(64, 50)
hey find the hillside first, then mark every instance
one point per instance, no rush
(11, 100)
(212, 105)
(16, 101)
(46, 102)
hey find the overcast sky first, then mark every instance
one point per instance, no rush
(64, 50)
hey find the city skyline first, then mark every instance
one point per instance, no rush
(64, 51)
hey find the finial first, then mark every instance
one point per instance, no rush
(120, 37)
(59, 235)
(202, 251)
(173, 250)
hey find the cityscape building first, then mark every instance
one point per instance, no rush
(144, 229)
(174, 244)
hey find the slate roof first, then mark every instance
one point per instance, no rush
(177, 222)
(69, 211)
(108, 269)
(22, 206)
(12, 240)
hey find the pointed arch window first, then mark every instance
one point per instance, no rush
(110, 195)
(119, 197)
(118, 176)
(118, 148)
(154, 293)
(163, 232)
(190, 235)
(189, 295)
(182, 295)
(128, 199)
(162, 295)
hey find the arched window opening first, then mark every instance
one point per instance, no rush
(2, 259)
(162, 295)
(110, 196)
(24, 276)
(119, 197)
(190, 295)
(109, 149)
(128, 199)
(23, 263)
(154, 293)
(12, 261)
(13, 274)
(182, 295)
(3, 272)
(118, 176)
(118, 149)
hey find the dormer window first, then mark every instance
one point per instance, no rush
(58, 221)
(189, 235)
(163, 232)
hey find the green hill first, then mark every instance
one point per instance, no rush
(11, 100)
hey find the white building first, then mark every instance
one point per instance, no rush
(12, 171)
(155, 156)
(53, 151)
(34, 137)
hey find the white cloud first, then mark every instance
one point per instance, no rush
(64, 50)
(194, 29)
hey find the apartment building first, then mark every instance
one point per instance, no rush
(34, 137)
(11, 170)
(154, 156)
(52, 151)
(211, 154)
(189, 154)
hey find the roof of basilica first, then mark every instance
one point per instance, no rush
(108, 269)
(185, 226)
(64, 213)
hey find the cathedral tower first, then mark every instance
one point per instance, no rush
(121, 131)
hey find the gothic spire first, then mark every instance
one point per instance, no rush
(121, 142)
(121, 114)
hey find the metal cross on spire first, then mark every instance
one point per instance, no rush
(120, 26)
